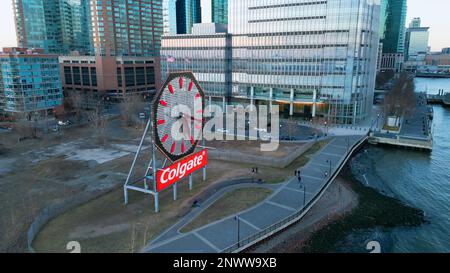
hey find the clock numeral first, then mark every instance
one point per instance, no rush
(192, 140)
(171, 89)
(163, 103)
(182, 147)
(173, 147)
(181, 82)
(191, 84)
(164, 139)
(161, 122)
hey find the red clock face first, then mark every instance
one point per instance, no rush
(178, 116)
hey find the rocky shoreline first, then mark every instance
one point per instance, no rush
(374, 211)
(346, 208)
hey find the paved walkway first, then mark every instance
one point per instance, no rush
(286, 200)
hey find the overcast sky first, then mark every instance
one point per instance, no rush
(434, 13)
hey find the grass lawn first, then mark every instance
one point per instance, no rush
(228, 204)
(275, 175)
(107, 225)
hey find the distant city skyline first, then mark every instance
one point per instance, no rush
(434, 14)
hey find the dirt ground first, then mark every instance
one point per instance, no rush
(338, 200)
(29, 183)
(36, 173)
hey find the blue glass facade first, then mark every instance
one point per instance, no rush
(170, 17)
(219, 11)
(394, 35)
(57, 26)
(29, 82)
(306, 56)
(188, 13)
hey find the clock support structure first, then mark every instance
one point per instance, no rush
(149, 179)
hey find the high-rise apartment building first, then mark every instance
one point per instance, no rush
(127, 28)
(126, 39)
(29, 81)
(57, 26)
(310, 58)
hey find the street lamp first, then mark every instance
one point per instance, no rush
(329, 161)
(378, 117)
(302, 186)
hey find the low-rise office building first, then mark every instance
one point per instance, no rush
(207, 52)
(108, 76)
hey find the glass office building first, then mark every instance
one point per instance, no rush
(29, 81)
(188, 13)
(219, 11)
(207, 52)
(394, 36)
(307, 56)
(384, 5)
(416, 45)
(170, 17)
(57, 26)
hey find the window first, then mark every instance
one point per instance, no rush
(68, 75)
(76, 76)
(140, 76)
(129, 77)
(150, 73)
(85, 75)
(93, 76)
(119, 77)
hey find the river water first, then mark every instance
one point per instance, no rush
(419, 179)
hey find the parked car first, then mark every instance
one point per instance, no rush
(63, 123)
(222, 130)
(261, 129)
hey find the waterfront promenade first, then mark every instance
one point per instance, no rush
(289, 202)
(415, 130)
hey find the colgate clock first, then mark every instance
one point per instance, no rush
(178, 116)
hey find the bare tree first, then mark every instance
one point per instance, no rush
(320, 124)
(129, 108)
(291, 127)
(400, 101)
(25, 127)
(75, 100)
(100, 123)
(384, 77)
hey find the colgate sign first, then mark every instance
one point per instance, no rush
(181, 169)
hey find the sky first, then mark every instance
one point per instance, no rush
(434, 14)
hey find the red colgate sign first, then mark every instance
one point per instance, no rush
(181, 169)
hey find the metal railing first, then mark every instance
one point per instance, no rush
(252, 239)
